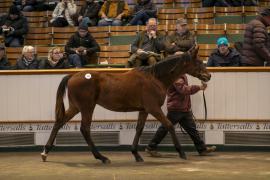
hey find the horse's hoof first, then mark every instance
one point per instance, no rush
(183, 156)
(139, 159)
(44, 157)
(106, 161)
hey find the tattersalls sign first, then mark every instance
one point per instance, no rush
(149, 126)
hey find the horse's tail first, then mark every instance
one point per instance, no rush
(59, 106)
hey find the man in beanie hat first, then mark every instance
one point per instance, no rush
(224, 55)
(82, 47)
(181, 40)
(14, 26)
(256, 45)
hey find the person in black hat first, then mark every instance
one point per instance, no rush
(82, 48)
(13, 26)
(256, 45)
(4, 64)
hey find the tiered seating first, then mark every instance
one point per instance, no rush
(169, 16)
(200, 15)
(122, 35)
(208, 33)
(13, 53)
(114, 55)
(4, 6)
(187, 3)
(39, 36)
(37, 19)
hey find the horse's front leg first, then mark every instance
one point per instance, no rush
(159, 115)
(140, 125)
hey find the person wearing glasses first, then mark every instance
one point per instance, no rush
(56, 60)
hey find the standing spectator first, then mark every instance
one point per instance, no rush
(4, 64)
(56, 60)
(89, 13)
(256, 45)
(180, 40)
(82, 48)
(112, 13)
(224, 55)
(63, 14)
(144, 10)
(147, 46)
(28, 59)
(179, 111)
(14, 26)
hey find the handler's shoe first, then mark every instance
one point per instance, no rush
(208, 150)
(152, 152)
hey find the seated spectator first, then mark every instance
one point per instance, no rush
(56, 60)
(112, 13)
(28, 59)
(256, 45)
(147, 46)
(89, 13)
(4, 64)
(224, 55)
(26, 5)
(63, 14)
(14, 26)
(82, 48)
(143, 10)
(181, 40)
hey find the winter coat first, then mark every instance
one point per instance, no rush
(256, 45)
(61, 64)
(21, 65)
(68, 12)
(178, 95)
(19, 24)
(232, 59)
(147, 7)
(183, 42)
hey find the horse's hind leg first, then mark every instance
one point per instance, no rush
(85, 130)
(140, 125)
(69, 114)
(159, 115)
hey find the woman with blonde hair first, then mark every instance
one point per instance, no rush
(56, 60)
(28, 60)
(63, 14)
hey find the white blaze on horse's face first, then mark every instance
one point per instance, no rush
(88, 76)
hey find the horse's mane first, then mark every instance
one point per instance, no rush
(163, 67)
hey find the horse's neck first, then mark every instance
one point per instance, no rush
(167, 71)
(169, 78)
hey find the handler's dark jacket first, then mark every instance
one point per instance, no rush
(142, 41)
(178, 95)
(232, 59)
(256, 47)
(183, 42)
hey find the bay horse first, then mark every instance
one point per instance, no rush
(141, 89)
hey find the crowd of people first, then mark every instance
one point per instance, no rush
(149, 46)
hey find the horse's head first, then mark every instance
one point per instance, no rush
(196, 67)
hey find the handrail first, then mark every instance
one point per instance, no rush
(119, 70)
